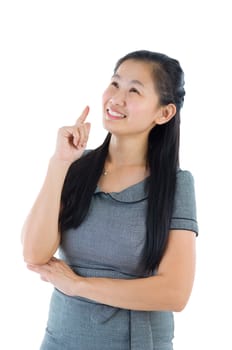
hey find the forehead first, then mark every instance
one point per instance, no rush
(131, 70)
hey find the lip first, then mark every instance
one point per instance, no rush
(110, 116)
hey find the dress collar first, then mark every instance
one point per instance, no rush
(132, 194)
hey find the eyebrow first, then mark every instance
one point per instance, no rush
(134, 81)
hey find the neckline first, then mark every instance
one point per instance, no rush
(131, 194)
(126, 188)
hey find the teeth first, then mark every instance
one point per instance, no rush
(115, 114)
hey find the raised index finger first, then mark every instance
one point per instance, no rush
(83, 116)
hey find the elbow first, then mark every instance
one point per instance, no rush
(178, 307)
(175, 294)
(34, 258)
(35, 261)
(172, 300)
(179, 301)
(37, 251)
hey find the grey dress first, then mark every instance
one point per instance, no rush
(109, 244)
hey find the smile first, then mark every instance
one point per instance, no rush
(110, 114)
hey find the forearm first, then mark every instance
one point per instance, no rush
(169, 289)
(145, 294)
(40, 236)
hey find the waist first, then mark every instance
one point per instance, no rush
(98, 271)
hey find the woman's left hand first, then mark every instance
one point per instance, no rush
(58, 273)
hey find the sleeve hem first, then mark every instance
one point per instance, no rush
(184, 224)
(184, 229)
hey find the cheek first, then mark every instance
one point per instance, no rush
(137, 108)
(106, 96)
(142, 113)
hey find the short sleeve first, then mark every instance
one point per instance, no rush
(184, 215)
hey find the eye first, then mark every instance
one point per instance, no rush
(134, 90)
(115, 84)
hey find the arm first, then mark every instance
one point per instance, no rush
(168, 290)
(40, 236)
(40, 233)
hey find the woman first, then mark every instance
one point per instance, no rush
(123, 217)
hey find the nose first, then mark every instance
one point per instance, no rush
(118, 99)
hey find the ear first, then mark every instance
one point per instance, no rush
(166, 113)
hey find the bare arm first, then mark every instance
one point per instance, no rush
(40, 234)
(168, 290)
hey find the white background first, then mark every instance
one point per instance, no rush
(58, 56)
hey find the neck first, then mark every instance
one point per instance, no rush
(127, 152)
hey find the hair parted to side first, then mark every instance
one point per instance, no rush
(162, 158)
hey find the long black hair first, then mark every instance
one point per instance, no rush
(162, 157)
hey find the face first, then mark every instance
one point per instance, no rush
(130, 102)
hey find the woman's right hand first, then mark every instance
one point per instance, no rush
(72, 140)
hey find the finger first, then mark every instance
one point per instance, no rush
(53, 262)
(87, 128)
(39, 268)
(54, 259)
(73, 135)
(83, 116)
(43, 278)
(86, 134)
(83, 136)
(33, 268)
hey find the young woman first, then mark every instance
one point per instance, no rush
(123, 217)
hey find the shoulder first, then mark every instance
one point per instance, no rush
(184, 210)
(184, 176)
(185, 184)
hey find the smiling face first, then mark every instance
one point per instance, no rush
(130, 102)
